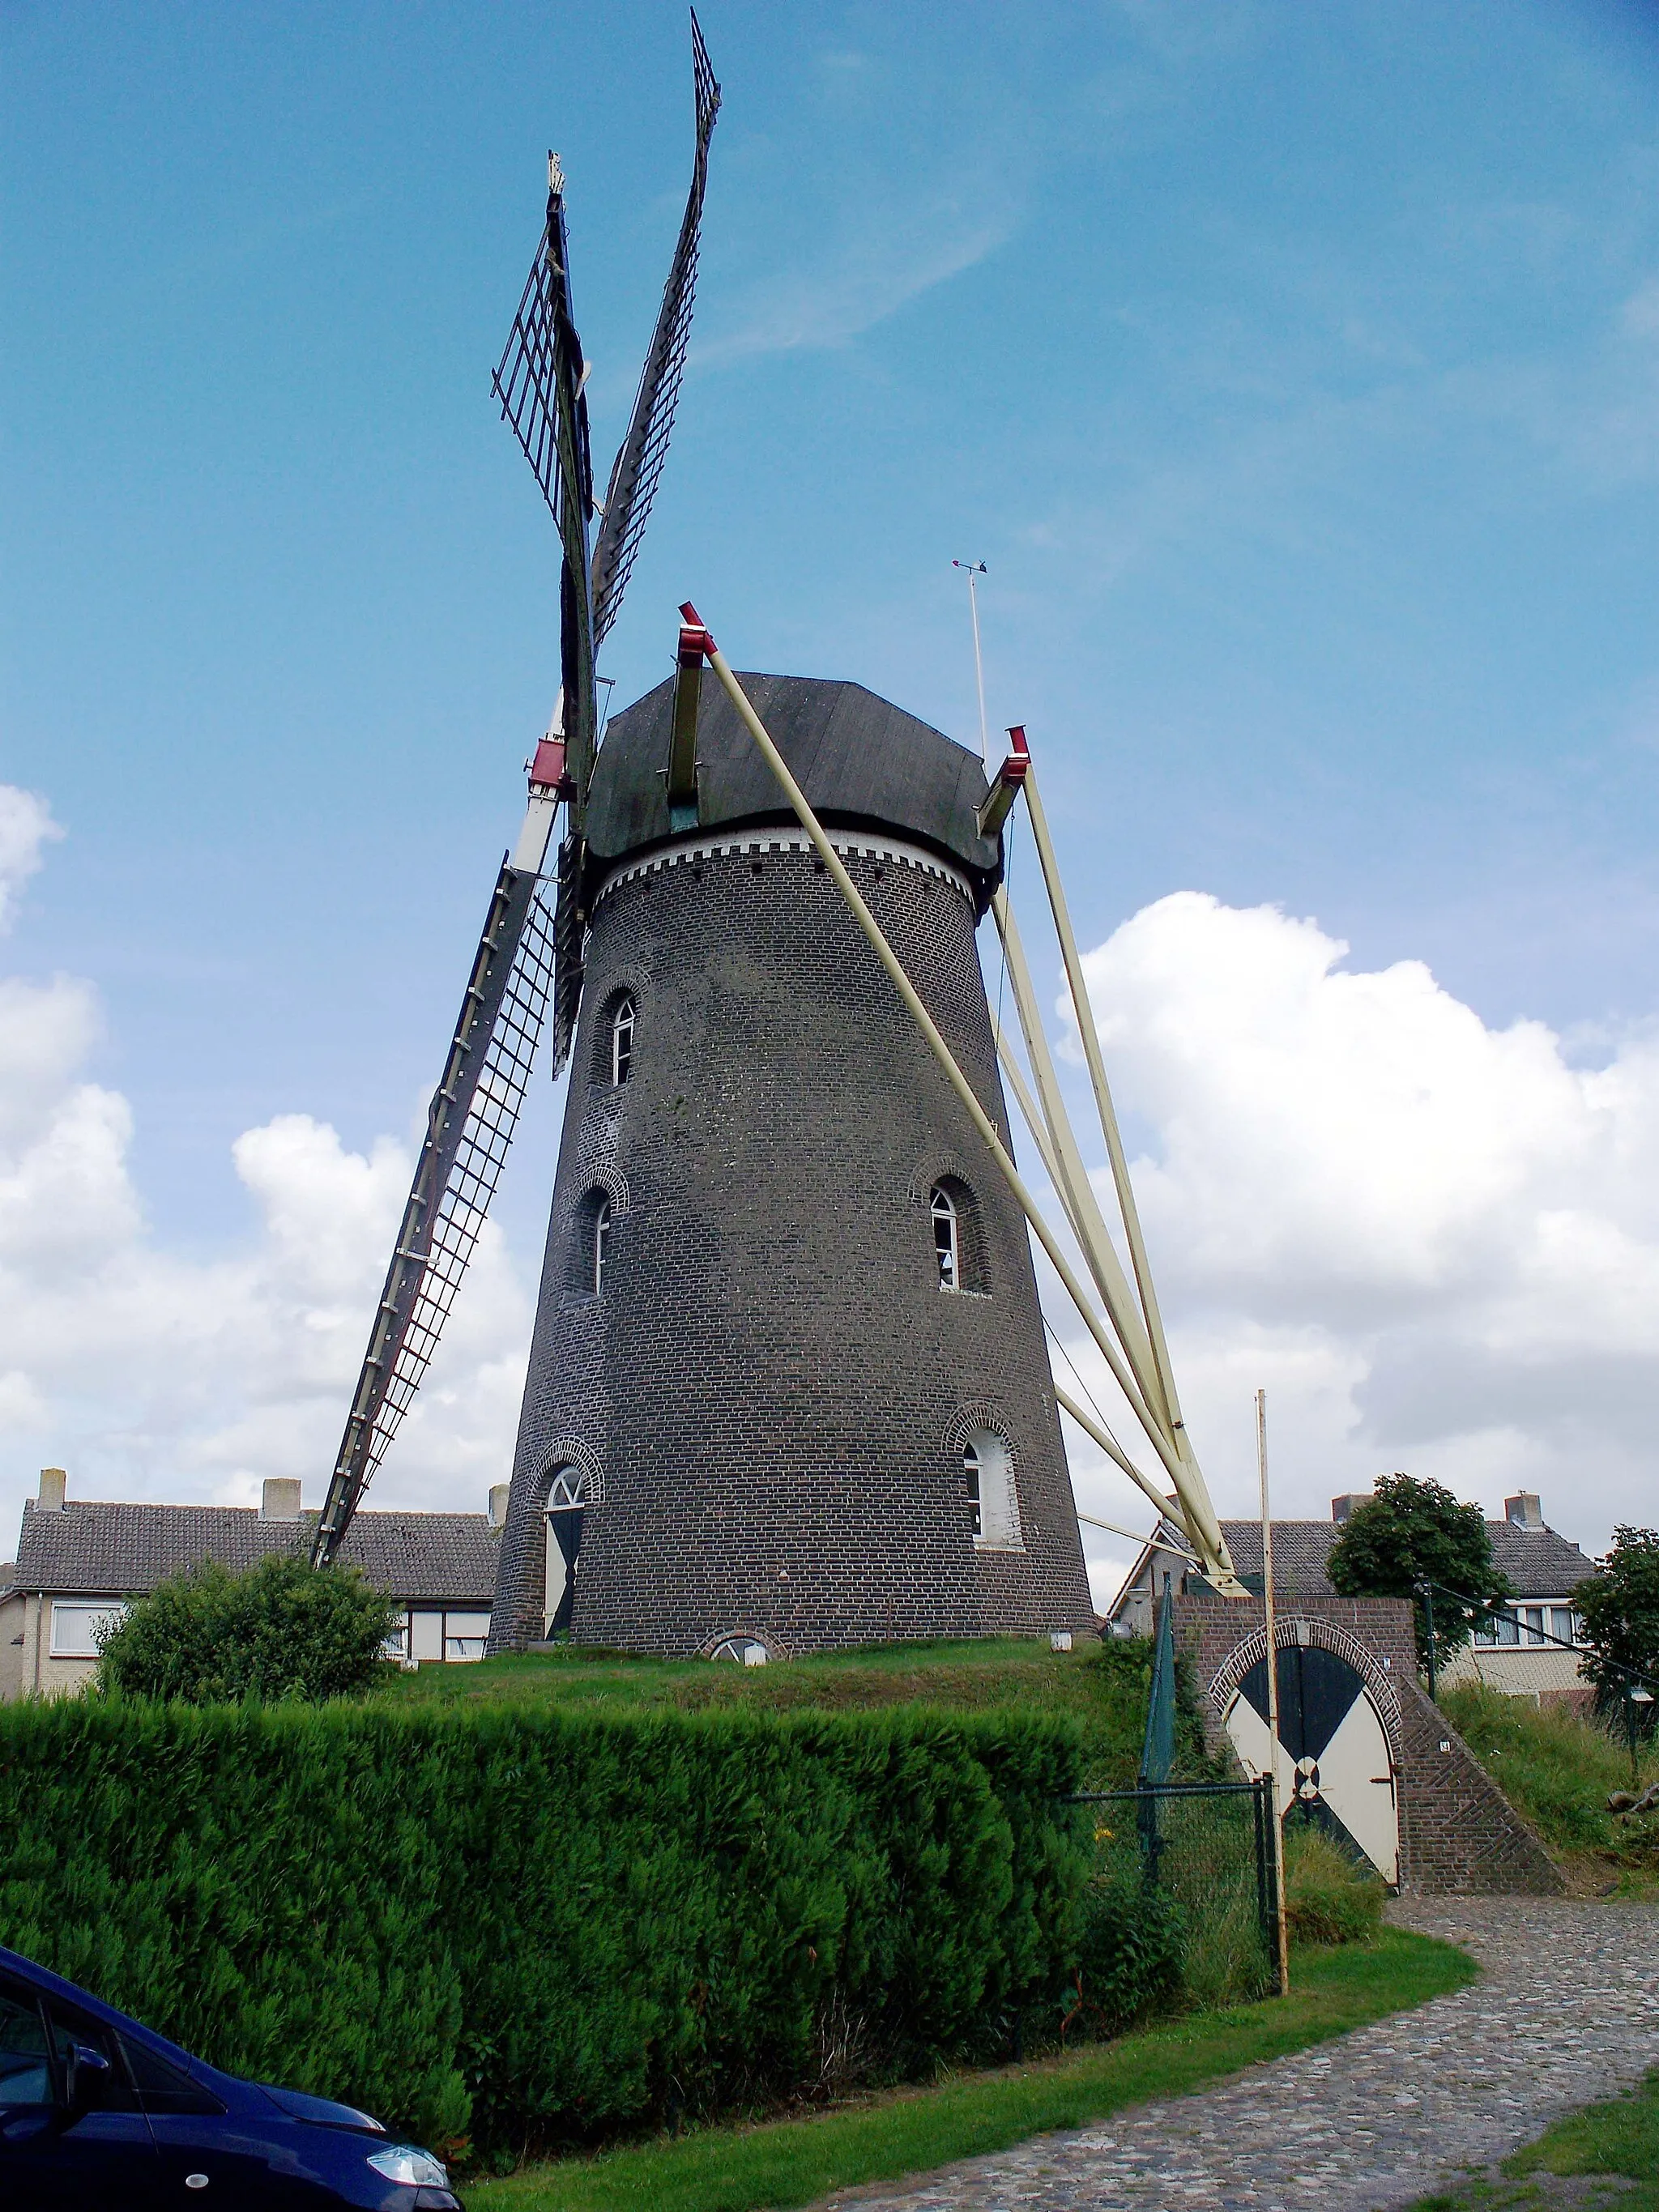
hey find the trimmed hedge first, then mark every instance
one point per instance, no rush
(534, 1928)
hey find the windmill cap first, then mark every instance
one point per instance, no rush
(861, 762)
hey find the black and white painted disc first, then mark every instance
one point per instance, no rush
(1334, 1760)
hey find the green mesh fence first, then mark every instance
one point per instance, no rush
(1202, 1853)
(1157, 1753)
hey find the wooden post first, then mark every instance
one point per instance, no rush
(1272, 1691)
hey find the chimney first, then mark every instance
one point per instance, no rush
(1523, 1510)
(279, 1500)
(1341, 1507)
(498, 1494)
(53, 1482)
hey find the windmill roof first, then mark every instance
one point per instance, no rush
(122, 1550)
(861, 762)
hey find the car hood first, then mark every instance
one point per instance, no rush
(321, 2112)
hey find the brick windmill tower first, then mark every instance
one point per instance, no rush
(788, 1387)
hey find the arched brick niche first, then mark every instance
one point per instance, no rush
(1300, 1631)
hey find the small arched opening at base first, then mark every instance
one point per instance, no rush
(741, 1650)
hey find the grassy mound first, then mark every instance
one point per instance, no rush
(1557, 1772)
(1101, 1686)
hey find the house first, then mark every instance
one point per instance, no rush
(1516, 1655)
(78, 1564)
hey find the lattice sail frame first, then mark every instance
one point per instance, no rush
(474, 1115)
(638, 467)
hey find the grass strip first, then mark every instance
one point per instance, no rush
(1614, 2141)
(780, 2163)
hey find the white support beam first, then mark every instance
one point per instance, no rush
(1075, 1191)
(1098, 1433)
(1200, 1514)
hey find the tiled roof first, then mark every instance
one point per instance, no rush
(1538, 1562)
(96, 1550)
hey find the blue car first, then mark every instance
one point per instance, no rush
(98, 2114)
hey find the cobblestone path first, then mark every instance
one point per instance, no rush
(1567, 2010)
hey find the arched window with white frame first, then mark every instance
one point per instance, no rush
(622, 1041)
(601, 1243)
(947, 1237)
(988, 1469)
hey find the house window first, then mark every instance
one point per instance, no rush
(947, 1238)
(988, 1469)
(1533, 1626)
(397, 1642)
(75, 1625)
(622, 1041)
(465, 1635)
(439, 1635)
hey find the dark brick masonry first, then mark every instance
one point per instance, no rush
(771, 1393)
(1458, 1832)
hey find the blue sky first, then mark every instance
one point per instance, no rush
(1296, 372)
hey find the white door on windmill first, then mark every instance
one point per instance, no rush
(1334, 1766)
(566, 1509)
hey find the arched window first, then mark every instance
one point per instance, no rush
(601, 1242)
(988, 1469)
(622, 1041)
(947, 1237)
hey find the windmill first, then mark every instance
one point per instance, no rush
(526, 953)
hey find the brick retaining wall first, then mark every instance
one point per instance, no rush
(1458, 1832)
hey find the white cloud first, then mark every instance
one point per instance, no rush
(150, 1374)
(1436, 1243)
(26, 824)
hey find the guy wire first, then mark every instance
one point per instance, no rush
(1083, 1388)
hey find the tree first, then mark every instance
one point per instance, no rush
(1619, 1609)
(283, 1629)
(1410, 1533)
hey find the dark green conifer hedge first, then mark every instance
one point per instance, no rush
(529, 1927)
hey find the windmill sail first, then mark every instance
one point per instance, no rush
(469, 1126)
(528, 952)
(638, 466)
(538, 381)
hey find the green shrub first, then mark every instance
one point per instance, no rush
(1130, 1952)
(545, 1928)
(1328, 1896)
(279, 1630)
